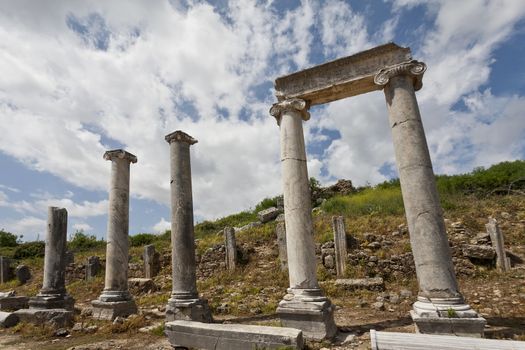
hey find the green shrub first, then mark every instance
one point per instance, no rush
(7, 239)
(81, 242)
(142, 239)
(384, 201)
(212, 227)
(265, 204)
(29, 250)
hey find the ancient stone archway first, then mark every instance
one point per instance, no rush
(390, 68)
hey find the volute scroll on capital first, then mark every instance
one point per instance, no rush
(120, 154)
(296, 104)
(413, 68)
(180, 136)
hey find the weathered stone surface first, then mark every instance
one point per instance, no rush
(248, 226)
(480, 252)
(93, 267)
(109, 310)
(57, 318)
(8, 319)
(141, 285)
(280, 230)
(231, 248)
(23, 273)
(13, 303)
(231, 336)
(498, 243)
(6, 271)
(184, 302)
(314, 318)
(375, 283)
(151, 261)
(344, 77)
(466, 327)
(268, 214)
(53, 294)
(338, 226)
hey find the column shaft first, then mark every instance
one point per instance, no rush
(55, 249)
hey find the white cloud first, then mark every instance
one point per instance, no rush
(30, 227)
(82, 226)
(9, 188)
(162, 226)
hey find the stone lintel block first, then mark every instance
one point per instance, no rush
(109, 310)
(13, 303)
(314, 318)
(120, 154)
(8, 319)
(344, 77)
(231, 336)
(57, 318)
(189, 310)
(52, 301)
(463, 327)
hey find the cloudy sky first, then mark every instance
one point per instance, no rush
(82, 77)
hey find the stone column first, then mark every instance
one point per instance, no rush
(338, 226)
(440, 307)
(184, 303)
(230, 248)
(498, 242)
(151, 261)
(280, 231)
(304, 307)
(115, 299)
(53, 293)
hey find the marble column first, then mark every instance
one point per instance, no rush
(184, 303)
(304, 306)
(53, 294)
(440, 307)
(115, 299)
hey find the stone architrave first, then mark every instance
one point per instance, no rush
(52, 305)
(151, 261)
(496, 237)
(338, 226)
(304, 306)
(231, 248)
(6, 271)
(439, 294)
(115, 300)
(391, 68)
(184, 303)
(53, 294)
(280, 230)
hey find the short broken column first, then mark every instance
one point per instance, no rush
(304, 306)
(280, 230)
(151, 261)
(53, 294)
(93, 267)
(439, 296)
(338, 226)
(52, 305)
(115, 299)
(230, 248)
(184, 303)
(496, 237)
(6, 270)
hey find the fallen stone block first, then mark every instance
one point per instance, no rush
(58, 318)
(199, 335)
(268, 214)
(480, 252)
(141, 285)
(375, 283)
(8, 319)
(13, 303)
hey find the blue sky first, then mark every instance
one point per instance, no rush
(82, 77)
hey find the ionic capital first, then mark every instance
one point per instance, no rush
(296, 104)
(180, 136)
(414, 69)
(120, 154)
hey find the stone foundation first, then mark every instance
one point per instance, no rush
(109, 310)
(314, 318)
(13, 303)
(190, 310)
(52, 301)
(464, 327)
(58, 318)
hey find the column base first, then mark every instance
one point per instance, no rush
(115, 295)
(52, 301)
(309, 311)
(188, 309)
(447, 316)
(57, 318)
(109, 310)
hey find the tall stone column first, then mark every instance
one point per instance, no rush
(53, 294)
(184, 303)
(440, 307)
(115, 299)
(304, 307)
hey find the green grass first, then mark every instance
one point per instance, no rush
(370, 201)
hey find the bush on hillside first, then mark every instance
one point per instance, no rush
(141, 239)
(81, 242)
(370, 201)
(30, 250)
(236, 220)
(7, 239)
